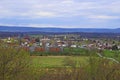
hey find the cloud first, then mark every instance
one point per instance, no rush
(38, 25)
(68, 13)
(46, 8)
(59, 8)
(104, 17)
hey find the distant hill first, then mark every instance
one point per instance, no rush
(32, 29)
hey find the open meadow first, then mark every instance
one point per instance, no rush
(74, 68)
(57, 61)
(17, 64)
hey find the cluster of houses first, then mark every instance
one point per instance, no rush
(57, 43)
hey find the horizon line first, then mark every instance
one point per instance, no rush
(54, 27)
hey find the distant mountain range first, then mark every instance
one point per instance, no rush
(32, 29)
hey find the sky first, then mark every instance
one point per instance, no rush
(60, 13)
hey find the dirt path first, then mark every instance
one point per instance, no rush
(114, 60)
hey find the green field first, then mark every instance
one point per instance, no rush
(56, 61)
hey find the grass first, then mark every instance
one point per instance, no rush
(112, 54)
(55, 61)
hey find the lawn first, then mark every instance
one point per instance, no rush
(55, 61)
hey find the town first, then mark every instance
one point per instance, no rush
(58, 43)
(60, 40)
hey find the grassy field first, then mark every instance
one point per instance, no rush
(56, 61)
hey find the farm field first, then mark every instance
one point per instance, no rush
(56, 61)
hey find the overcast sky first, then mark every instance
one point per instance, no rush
(61, 13)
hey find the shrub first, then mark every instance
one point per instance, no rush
(13, 62)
